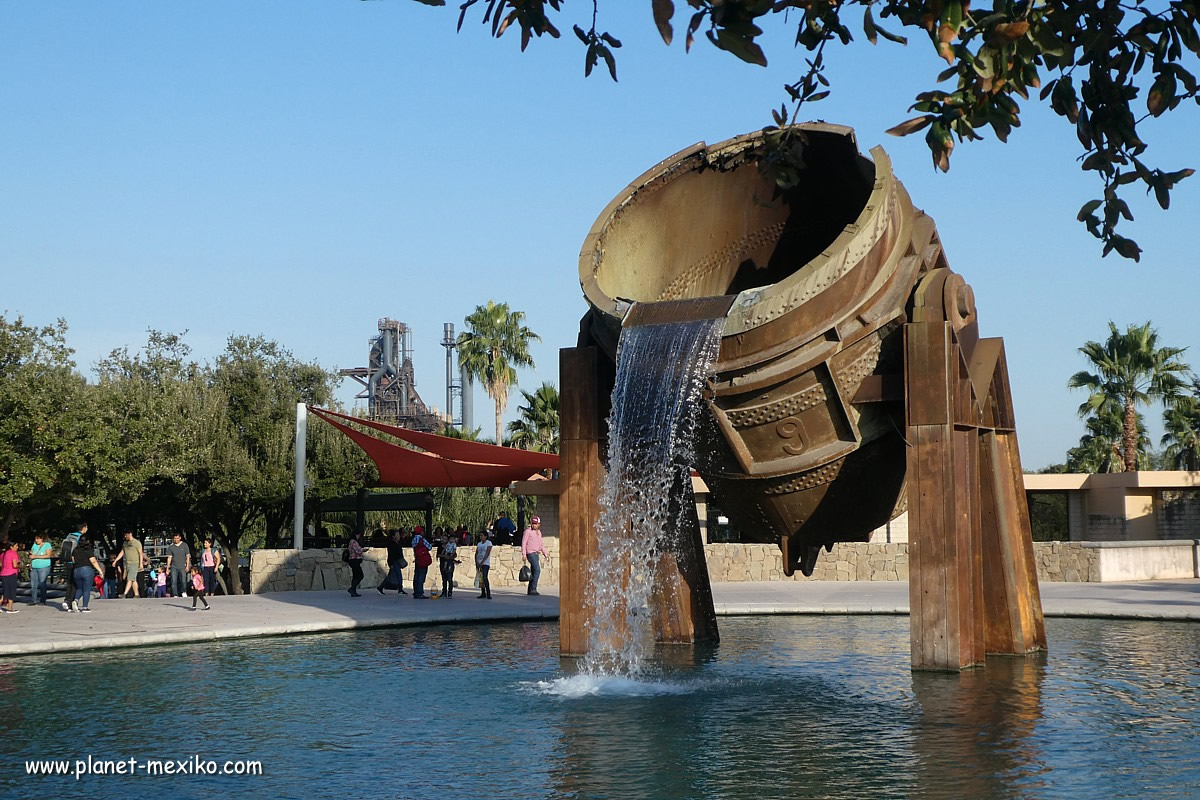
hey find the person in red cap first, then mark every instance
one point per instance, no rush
(422, 558)
(533, 549)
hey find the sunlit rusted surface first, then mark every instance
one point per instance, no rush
(804, 441)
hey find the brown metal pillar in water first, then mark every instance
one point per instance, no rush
(945, 560)
(682, 602)
(580, 408)
(972, 577)
(1015, 625)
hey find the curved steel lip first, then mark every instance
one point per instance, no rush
(866, 229)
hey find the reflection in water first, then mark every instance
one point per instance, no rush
(795, 707)
(974, 735)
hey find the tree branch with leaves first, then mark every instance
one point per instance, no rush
(1104, 66)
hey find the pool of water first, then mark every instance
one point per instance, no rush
(795, 707)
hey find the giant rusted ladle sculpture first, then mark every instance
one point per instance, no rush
(851, 385)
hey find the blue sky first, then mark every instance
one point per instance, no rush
(301, 169)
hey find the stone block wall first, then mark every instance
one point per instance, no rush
(1066, 561)
(846, 562)
(1056, 561)
(292, 570)
(304, 570)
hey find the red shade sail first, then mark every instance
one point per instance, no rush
(485, 465)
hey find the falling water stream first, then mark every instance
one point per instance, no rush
(661, 369)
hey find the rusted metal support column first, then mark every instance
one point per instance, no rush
(1015, 625)
(682, 602)
(945, 560)
(581, 404)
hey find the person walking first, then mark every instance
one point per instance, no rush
(483, 564)
(179, 564)
(210, 562)
(10, 563)
(134, 558)
(65, 557)
(396, 563)
(86, 570)
(447, 558)
(421, 561)
(534, 550)
(196, 588)
(355, 558)
(39, 569)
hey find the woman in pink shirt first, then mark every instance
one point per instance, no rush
(531, 548)
(9, 561)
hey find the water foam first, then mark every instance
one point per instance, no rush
(585, 684)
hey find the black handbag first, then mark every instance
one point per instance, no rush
(524, 575)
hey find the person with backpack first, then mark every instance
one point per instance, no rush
(66, 553)
(447, 558)
(421, 559)
(354, 557)
(87, 568)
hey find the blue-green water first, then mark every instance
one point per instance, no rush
(795, 707)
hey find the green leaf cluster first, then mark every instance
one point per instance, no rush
(1097, 64)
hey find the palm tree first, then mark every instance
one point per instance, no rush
(1131, 369)
(1182, 437)
(491, 350)
(537, 427)
(1099, 450)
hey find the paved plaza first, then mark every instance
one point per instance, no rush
(133, 623)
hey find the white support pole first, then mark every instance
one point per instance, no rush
(301, 446)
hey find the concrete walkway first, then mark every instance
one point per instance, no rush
(133, 623)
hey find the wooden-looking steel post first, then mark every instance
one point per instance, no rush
(945, 559)
(682, 602)
(972, 576)
(582, 475)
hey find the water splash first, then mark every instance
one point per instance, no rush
(585, 684)
(661, 370)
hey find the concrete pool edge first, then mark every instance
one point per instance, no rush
(148, 623)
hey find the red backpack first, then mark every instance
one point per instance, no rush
(421, 553)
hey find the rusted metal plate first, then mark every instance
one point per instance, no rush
(851, 379)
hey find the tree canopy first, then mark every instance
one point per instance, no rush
(1103, 66)
(1131, 369)
(159, 441)
(495, 344)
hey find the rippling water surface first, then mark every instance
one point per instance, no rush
(787, 707)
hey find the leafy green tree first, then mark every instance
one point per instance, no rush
(145, 401)
(1182, 424)
(537, 426)
(242, 481)
(1131, 369)
(46, 423)
(495, 344)
(1103, 66)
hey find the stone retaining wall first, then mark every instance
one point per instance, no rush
(288, 570)
(302, 570)
(1056, 561)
